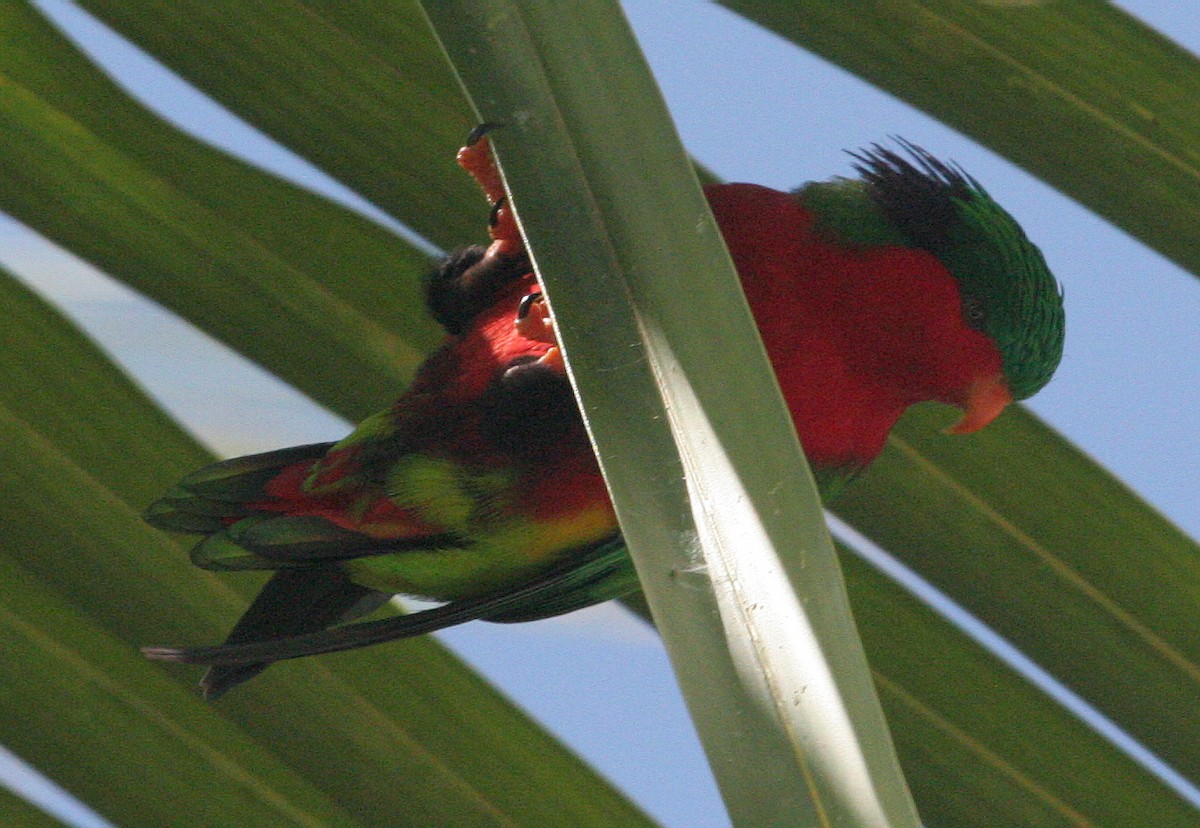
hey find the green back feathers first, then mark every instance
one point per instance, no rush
(1008, 291)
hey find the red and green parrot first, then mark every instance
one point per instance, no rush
(478, 488)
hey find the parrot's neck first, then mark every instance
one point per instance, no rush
(856, 332)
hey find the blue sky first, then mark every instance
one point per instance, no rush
(1123, 393)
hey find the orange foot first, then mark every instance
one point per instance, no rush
(476, 158)
(534, 322)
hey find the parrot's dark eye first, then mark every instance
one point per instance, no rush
(974, 313)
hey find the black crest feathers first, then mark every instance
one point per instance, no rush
(920, 197)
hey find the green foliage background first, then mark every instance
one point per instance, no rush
(410, 736)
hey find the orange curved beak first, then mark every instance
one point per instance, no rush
(986, 398)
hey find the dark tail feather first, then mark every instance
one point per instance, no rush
(601, 572)
(294, 602)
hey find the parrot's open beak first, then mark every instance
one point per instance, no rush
(985, 399)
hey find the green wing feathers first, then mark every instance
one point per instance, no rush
(211, 498)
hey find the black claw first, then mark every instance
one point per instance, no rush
(481, 130)
(526, 304)
(494, 215)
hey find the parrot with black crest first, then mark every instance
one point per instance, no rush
(478, 488)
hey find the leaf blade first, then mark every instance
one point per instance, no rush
(93, 171)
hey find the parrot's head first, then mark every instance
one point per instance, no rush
(906, 284)
(1006, 291)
